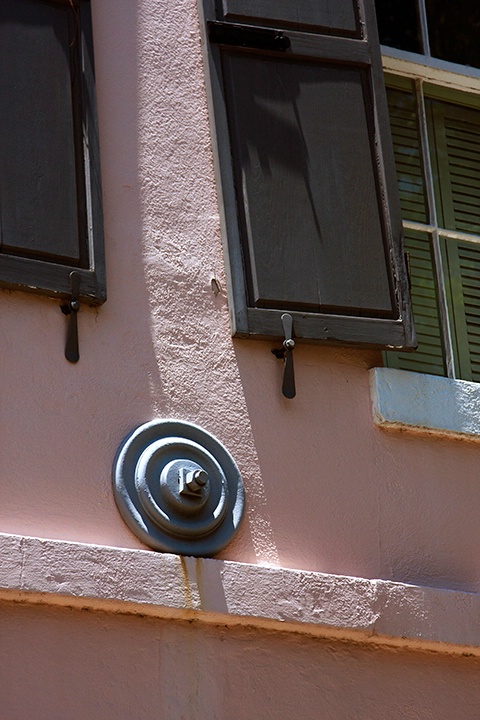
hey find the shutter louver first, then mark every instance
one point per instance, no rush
(457, 140)
(464, 268)
(407, 152)
(456, 153)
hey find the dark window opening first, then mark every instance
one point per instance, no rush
(453, 29)
(398, 24)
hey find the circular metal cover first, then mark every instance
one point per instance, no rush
(178, 488)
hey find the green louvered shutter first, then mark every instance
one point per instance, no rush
(408, 159)
(429, 357)
(464, 271)
(456, 135)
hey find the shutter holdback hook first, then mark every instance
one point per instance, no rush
(71, 310)
(286, 353)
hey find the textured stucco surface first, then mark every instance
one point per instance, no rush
(299, 616)
(224, 593)
(326, 489)
(144, 668)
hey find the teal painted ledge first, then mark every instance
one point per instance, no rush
(425, 403)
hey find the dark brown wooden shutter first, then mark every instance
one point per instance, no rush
(326, 15)
(306, 164)
(50, 205)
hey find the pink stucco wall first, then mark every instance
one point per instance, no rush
(326, 490)
(60, 663)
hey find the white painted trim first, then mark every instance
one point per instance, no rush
(142, 582)
(430, 69)
(425, 403)
(451, 234)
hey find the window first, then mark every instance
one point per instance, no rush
(306, 172)
(50, 197)
(444, 29)
(436, 137)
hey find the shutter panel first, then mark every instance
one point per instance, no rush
(407, 152)
(38, 194)
(429, 356)
(464, 271)
(456, 132)
(338, 16)
(304, 199)
(307, 173)
(50, 217)
(455, 137)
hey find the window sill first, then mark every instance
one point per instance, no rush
(425, 403)
(142, 582)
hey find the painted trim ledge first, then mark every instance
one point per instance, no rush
(425, 403)
(142, 582)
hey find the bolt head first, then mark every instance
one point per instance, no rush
(195, 480)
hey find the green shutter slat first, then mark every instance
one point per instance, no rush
(407, 152)
(458, 164)
(428, 358)
(466, 179)
(459, 132)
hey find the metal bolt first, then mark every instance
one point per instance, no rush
(192, 482)
(196, 480)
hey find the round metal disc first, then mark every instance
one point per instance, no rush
(155, 490)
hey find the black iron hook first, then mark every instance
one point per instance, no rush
(286, 352)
